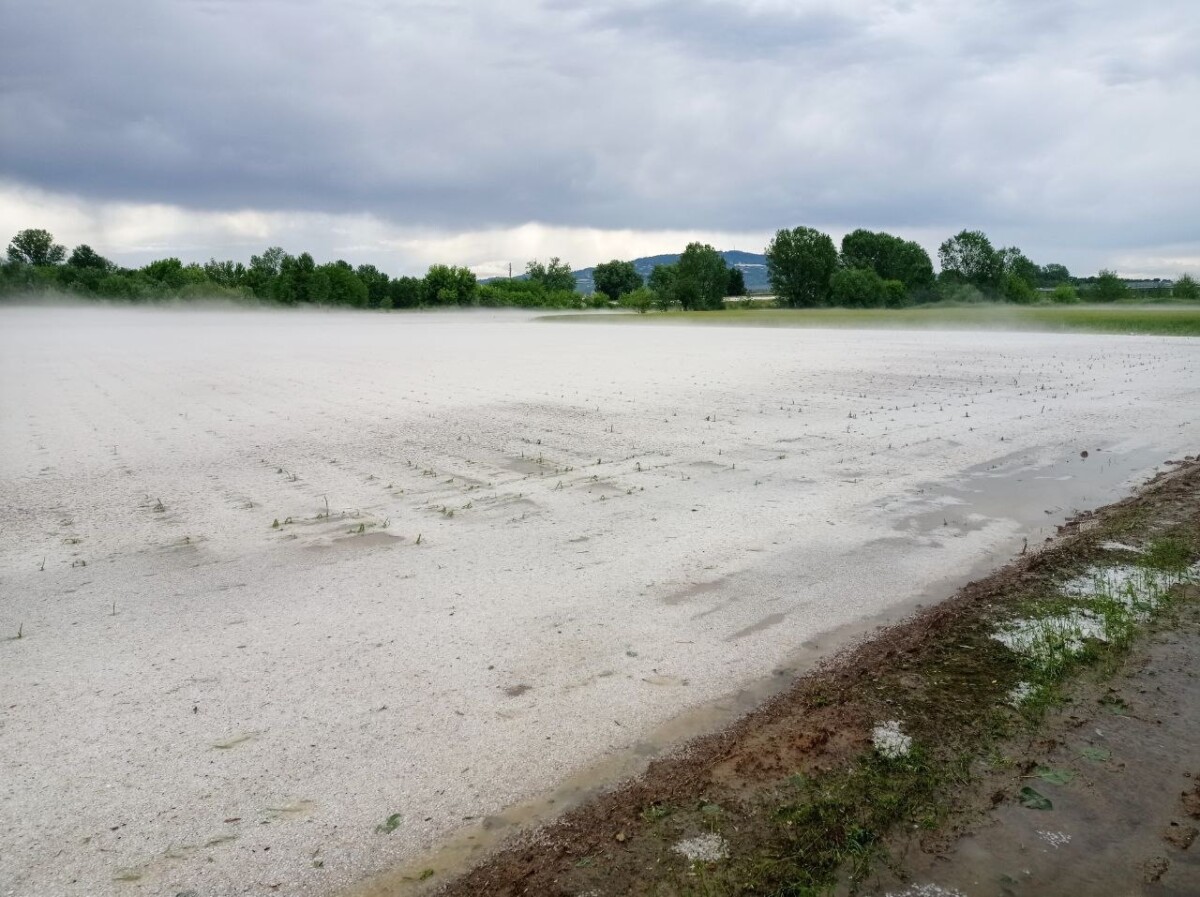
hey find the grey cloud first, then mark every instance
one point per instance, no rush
(725, 29)
(1044, 119)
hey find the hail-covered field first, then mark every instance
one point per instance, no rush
(288, 597)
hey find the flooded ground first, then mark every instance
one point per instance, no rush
(301, 595)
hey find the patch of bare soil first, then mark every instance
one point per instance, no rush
(793, 799)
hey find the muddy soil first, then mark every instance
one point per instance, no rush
(1120, 744)
(1124, 759)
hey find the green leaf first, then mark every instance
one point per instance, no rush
(1033, 799)
(1054, 776)
(390, 824)
(1096, 753)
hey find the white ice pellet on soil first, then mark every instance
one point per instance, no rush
(703, 848)
(1121, 546)
(1055, 839)
(889, 741)
(646, 518)
(1138, 589)
(1057, 632)
(926, 891)
(1020, 693)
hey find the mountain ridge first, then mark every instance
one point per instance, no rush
(753, 265)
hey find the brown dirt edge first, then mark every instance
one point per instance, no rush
(820, 723)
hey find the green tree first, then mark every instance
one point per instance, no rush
(554, 276)
(662, 285)
(1186, 288)
(895, 294)
(226, 274)
(376, 283)
(640, 300)
(264, 269)
(701, 277)
(115, 286)
(856, 288)
(800, 263)
(1064, 293)
(83, 256)
(1015, 288)
(1108, 287)
(169, 273)
(616, 278)
(891, 257)
(35, 246)
(1052, 275)
(448, 285)
(345, 286)
(404, 292)
(293, 285)
(969, 257)
(1014, 264)
(737, 282)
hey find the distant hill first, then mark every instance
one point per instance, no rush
(753, 265)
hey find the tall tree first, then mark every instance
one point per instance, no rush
(447, 285)
(404, 292)
(295, 281)
(345, 287)
(737, 282)
(701, 277)
(376, 283)
(616, 278)
(227, 274)
(263, 271)
(889, 256)
(554, 276)
(83, 256)
(800, 262)
(1108, 287)
(1053, 274)
(1013, 261)
(662, 285)
(1186, 288)
(968, 256)
(35, 246)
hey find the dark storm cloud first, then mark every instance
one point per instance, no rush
(735, 116)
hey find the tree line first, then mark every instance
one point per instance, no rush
(35, 263)
(874, 269)
(806, 269)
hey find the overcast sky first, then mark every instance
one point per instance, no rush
(483, 132)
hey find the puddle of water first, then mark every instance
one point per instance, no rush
(1039, 498)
